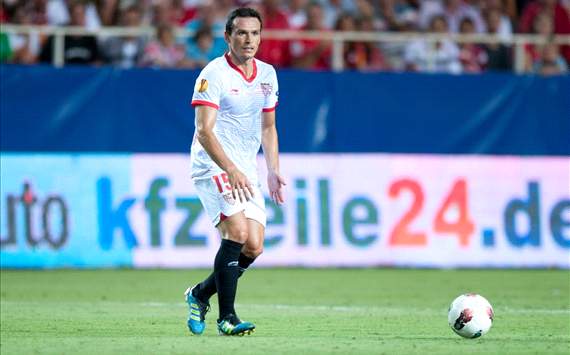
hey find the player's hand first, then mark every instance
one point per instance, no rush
(241, 187)
(275, 183)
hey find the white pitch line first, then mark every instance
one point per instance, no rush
(393, 310)
(378, 309)
(388, 310)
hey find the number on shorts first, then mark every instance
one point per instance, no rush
(222, 182)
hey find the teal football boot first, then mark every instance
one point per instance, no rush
(197, 312)
(231, 325)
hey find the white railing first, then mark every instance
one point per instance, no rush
(517, 41)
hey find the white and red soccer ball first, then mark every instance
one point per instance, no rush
(470, 315)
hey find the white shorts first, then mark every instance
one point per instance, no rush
(216, 197)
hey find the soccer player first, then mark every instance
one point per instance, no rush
(234, 98)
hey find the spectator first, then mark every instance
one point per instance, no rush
(274, 51)
(373, 57)
(207, 17)
(126, 51)
(296, 14)
(558, 14)
(498, 54)
(312, 53)
(107, 10)
(358, 55)
(25, 46)
(504, 28)
(201, 51)
(364, 9)
(472, 56)
(454, 11)
(92, 19)
(3, 14)
(173, 12)
(509, 8)
(57, 12)
(164, 13)
(182, 13)
(542, 26)
(164, 52)
(439, 57)
(78, 49)
(550, 61)
(353, 56)
(222, 8)
(332, 9)
(38, 12)
(398, 15)
(5, 49)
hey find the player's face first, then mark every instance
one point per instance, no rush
(245, 37)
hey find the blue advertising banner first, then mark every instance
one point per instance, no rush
(144, 110)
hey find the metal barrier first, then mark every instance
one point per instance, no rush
(337, 38)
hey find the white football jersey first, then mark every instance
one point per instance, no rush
(239, 101)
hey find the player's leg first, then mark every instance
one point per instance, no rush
(253, 247)
(234, 231)
(249, 252)
(256, 219)
(217, 205)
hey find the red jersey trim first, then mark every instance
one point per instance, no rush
(235, 67)
(270, 109)
(205, 103)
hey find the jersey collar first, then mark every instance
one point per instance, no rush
(236, 68)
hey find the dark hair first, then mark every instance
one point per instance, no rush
(163, 28)
(241, 12)
(203, 31)
(465, 20)
(435, 18)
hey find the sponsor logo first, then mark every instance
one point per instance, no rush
(41, 222)
(234, 92)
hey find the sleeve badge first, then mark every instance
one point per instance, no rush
(203, 86)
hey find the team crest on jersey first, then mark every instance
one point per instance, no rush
(266, 88)
(203, 86)
(229, 198)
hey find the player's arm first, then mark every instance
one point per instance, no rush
(205, 121)
(270, 144)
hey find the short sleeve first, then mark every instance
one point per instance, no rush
(208, 89)
(272, 98)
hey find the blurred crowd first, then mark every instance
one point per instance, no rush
(206, 19)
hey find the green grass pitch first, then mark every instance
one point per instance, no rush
(343, 311)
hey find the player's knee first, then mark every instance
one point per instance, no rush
(254, 252)
(239, 235)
